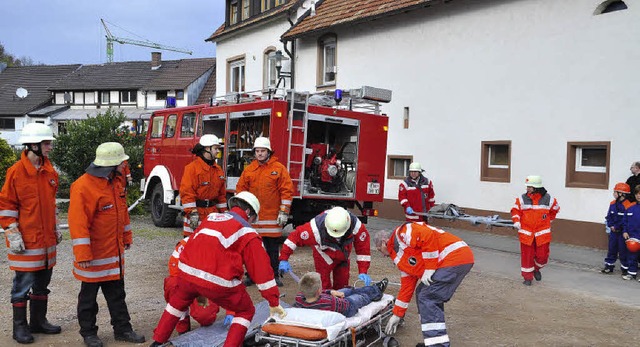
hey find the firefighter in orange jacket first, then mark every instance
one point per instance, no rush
(332, 234)
(203, 187)
(269, 181)
(532, 215)
(203, 311)
(212, 264)
(437, 262)
(28, 215)
(416, 194)
(101, 232)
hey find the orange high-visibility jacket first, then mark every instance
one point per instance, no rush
(175, 257)
(535, 213)
(271, 184)
(416, 247)
(28, 198)
(202, 184)
(99, 227)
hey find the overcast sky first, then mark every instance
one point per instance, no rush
(69, 31)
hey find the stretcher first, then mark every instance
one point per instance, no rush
(452, 212)
(366, 328)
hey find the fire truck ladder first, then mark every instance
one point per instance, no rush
(298, 111)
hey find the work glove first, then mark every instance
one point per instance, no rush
(194, 220)
(365, 278)
(283, 218)
(426, 277)
(392, 325)
(516, 225)
(16, 244)
(277, 310)
(58, 235)
(409, 210)
(284, 267)
(227, 320)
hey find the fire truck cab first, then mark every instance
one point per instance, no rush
(334, 147)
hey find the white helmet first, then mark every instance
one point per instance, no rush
(110, 154)
(415, 166)
(248, 198)
(533, 181)
(36, 133)
(262, 142)
(209, 140)
(337, 221)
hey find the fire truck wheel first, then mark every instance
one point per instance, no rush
(161, 214)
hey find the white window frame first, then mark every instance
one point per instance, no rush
(584, 168)
(270, 72)
(329, 43)
(102, 95)
(495, 166)
(240, 76)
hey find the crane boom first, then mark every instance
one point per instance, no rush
(122, 40)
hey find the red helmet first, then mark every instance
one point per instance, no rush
(633, 244)
(622, 188)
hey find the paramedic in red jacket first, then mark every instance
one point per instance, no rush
(333, 234)
(532, 215)
(101, 232)
(212, 265)
(28, 217)
(434, 260)
(416, 194)
(203, 188)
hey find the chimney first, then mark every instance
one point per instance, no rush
(156, 60)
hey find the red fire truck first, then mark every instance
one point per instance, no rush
(333, 146)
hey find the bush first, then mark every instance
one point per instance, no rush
(7, 159)
(75, 150)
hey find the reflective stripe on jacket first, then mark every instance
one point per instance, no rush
(314, 233)
(202, 182)
(217, 254)
(416, 247)
(271, 184)
(28, 198)
(175, 257)
(420, 196)
(535, 213)
(99, 228)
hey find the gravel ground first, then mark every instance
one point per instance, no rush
(487, 310)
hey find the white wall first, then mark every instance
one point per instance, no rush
(539, 73)
(252, 44)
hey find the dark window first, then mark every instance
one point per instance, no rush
(8, 123)
(128, 96)
(612, 6)
(188, 126)
(180, 94)
(398, 166)
(588, 164)
(495, 161)
(161, 95)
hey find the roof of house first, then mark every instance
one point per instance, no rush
(172, 74)
(223, 31)
(208, 91)
(36, 80)
(332, 13)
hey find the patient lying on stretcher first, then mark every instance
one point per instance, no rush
(346, 301)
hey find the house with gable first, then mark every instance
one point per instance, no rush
(484, 93)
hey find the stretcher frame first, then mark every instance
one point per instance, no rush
(353, 336)
(453, 213)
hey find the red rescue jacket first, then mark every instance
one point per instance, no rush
(535, 213)
(420, 196)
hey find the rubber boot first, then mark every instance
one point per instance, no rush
(39, 322)
(21, 331)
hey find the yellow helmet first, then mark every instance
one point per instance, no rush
(337, 222)
(110, 154)
(533, 181)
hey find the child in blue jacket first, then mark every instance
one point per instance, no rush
(617, 247)
(631, 225)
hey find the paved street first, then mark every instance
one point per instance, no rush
(570, 268)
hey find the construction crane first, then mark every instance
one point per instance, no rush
(111, 39)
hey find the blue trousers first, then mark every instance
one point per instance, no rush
(359, 297)
(431, 299)
(36, 281)
(617, 248)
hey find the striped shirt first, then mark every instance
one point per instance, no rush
(326, 302)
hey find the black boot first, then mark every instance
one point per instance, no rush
(21, 331)
(39, 322)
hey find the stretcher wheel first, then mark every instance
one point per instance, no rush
(390, 341)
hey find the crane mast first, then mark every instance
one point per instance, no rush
(122, 40)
